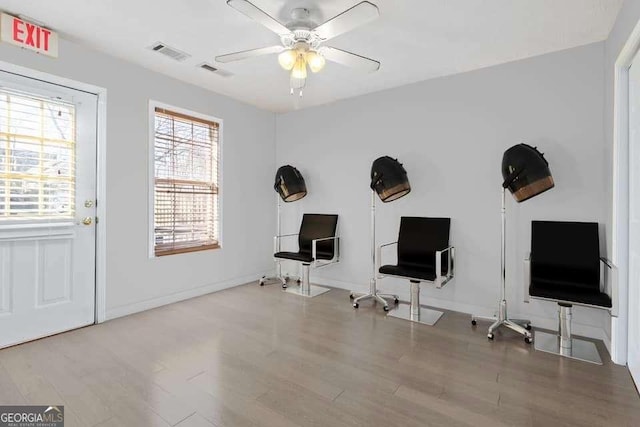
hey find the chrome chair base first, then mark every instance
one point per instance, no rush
(585, 351)
(413, 311)
(563, 344)
(304, 288)
(424, 315)
(312, 291)
(377, 297)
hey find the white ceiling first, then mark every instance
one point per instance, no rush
(413, 39)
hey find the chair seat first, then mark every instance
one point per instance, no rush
(295, 256)
(571, 294)
(428, 274)
(302, 256)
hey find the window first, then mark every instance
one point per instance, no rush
(37, 157)
(186, 157)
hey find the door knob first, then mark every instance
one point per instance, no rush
(87, 220)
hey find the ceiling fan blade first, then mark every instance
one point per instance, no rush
(358, 15)
(237, 56)
(350, 59)
(254, 12)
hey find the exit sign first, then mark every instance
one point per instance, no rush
(19, 32)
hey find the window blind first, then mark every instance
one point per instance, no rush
(37, 157)
(186, 155)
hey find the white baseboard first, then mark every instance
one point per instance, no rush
(137, 307)
(540, 322)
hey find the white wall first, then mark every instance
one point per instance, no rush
(134, 281)
(450, 134)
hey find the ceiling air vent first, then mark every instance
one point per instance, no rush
(208, 67)
(171, 52)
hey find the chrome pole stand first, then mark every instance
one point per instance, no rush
(563, 344)
(373, 291)
(521, 326)
(278, 277)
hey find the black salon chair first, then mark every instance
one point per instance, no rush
(318, 246)
(424, 255)
(564, 267)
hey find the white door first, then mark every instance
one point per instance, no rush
(633, 356)
(47, 208)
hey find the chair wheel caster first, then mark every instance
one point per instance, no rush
(396, 300)
(298, 281)
(261, 284)
(528, 340)
(284, 286)
(351, 296)
(385, 308)
(356, 305)
(528, 327)
(490, 336)
(473, 322)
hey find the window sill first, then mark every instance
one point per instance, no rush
(164, 252)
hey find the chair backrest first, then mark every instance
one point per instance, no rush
(420, 238)
(566, 253)
(318, 226)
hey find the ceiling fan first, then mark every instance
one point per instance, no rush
(302, 40)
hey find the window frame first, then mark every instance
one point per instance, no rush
(53, 94)
(151, 177)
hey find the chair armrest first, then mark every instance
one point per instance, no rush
(325, 238)
(614, 284)
(287, 235)
(527, 276)
(387, 244)
(378, 259)
(336, 249)
(440, 279)
(276, 241)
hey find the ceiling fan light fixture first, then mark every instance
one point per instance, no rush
(315, 60)
(300, 68)
(287, 59)
(302, 41)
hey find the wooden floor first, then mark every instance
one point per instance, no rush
(252, 356)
